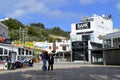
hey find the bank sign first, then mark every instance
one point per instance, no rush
(85, 25)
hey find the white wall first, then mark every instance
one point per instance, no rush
(60, 44)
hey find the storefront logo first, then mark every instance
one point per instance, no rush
(81, 26)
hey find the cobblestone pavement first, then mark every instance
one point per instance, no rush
(64, 71)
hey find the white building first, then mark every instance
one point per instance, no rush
(44, 46)
(92, 28)
(6, 49)
(62, 46)
(3, 30)
(110, 53)
(87, 35)
(112, 40)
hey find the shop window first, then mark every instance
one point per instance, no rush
(85, 37)
(63, 47)
(114, 42)
(19, 51)
(26, 52)
(22, 51)
(49, 47)
(107, 43)
(1, 50)
(118, 42)
(30, 53)
(3, 34)
(5, 51)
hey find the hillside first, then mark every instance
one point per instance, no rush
(34, 31)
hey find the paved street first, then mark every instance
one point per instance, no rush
(64, 71)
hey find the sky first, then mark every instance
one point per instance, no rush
(61, 13)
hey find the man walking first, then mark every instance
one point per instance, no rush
(50, 61)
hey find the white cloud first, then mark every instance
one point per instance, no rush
(7, 6)
(60, 14)
(16, 13)
(48, 8)
(33, 6)
(84, 2)
(28, 7)
(87, 2)
(56, 13)
(40, 7)
(118, 6)
(56, 3)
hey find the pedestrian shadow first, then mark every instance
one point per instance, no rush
(79, 73)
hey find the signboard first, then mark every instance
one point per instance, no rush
(42, 45)
(85, 25)
(3, 65)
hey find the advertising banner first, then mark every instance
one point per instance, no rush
(3, 65)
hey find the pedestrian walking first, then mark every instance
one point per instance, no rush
(44, 56)
(50, 61)
(31, 62)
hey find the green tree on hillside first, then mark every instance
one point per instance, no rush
(59, 32)
(13, 27)
(32, 32)
(38, 25)
(13, 24)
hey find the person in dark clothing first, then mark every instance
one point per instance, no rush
(18, 64)
(31, 63)
(50, 61)
(44, 59)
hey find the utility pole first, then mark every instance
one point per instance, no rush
(20, 35)
(23, 38)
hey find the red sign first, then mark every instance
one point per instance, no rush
(2, 39)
